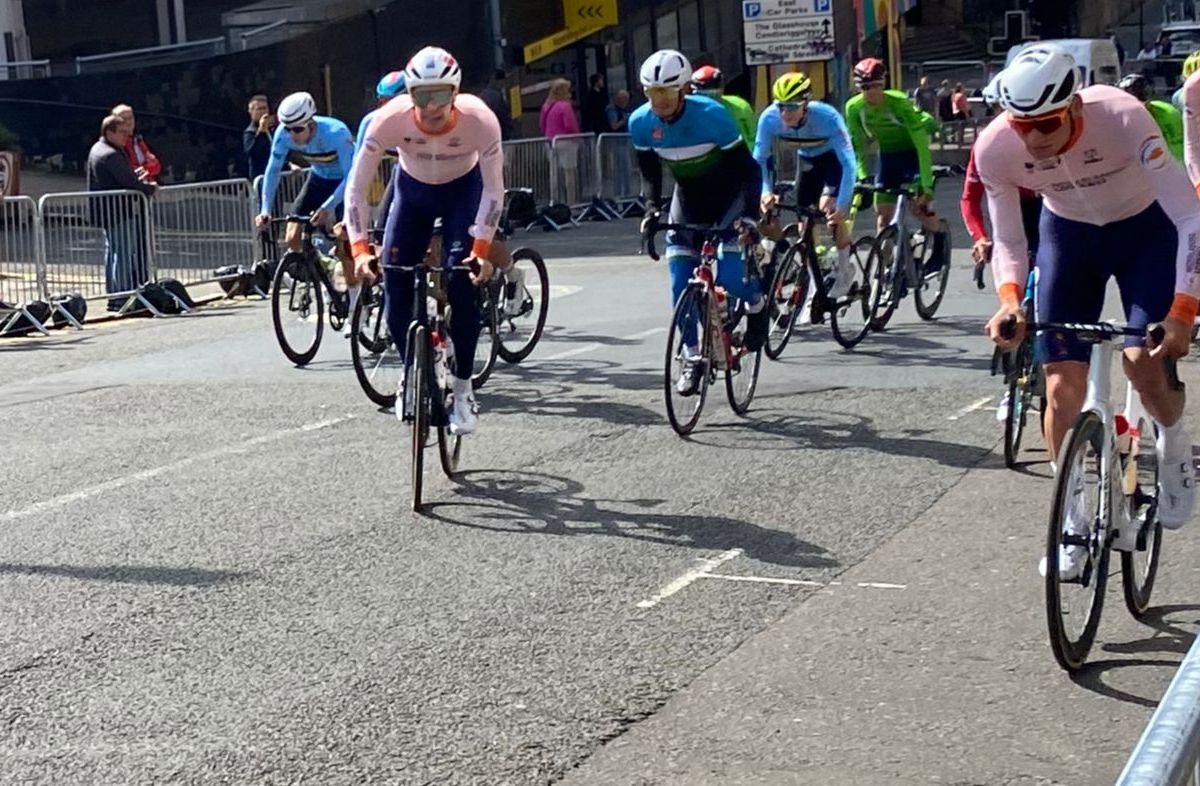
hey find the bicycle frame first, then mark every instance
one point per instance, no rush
(718, 302)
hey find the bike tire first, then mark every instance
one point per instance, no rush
(1071, 652)
(1140, 568)
(449, 450)
(849, 335)
(370, 345)
(692, 306)
(485, 362)
(740, 383)
(419, 380)
(1020, 396)
(886, 269)
(283, 300)
(542, 305)
(785, 308)
(927, 306)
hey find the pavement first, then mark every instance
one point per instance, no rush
(210, 572)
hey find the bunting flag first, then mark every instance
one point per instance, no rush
(872, 14)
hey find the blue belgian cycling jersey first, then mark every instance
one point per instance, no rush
(330, 153)
(822, 131)
(692, 144)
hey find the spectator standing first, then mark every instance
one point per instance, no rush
(492, 94)
(120, 216)
(557, 119)
(136, 149)
(925, 98)
(595, 105)
(617, 116)
(256, 139)
(945, 105)
(959, 104)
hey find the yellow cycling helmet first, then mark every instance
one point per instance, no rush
(792, 86)
(1192, 64)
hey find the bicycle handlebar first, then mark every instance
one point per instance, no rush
(654, 226)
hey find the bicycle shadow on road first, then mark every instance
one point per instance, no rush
(130, 574)
(1169, 636)
(906, 350)
(537, 503)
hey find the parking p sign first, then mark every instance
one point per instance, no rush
(787, 31)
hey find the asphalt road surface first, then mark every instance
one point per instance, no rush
(209, 573)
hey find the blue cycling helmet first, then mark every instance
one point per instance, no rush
(391, 85)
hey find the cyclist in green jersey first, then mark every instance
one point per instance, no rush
(1168, 119)
(902, 135)
(709, 81)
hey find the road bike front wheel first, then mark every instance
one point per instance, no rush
(377, 364)
(297, 308)
(488, 348)
(1020, 399)
(930, 289)
(523, 306)
(686, 375)
(785, 299)
(418, 379)
(850, 316)
(1076, 562)
(885, 265)
(1139, 568)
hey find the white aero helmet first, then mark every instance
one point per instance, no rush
(666, 68)
(991, 93)
(1041, 79)
(430, 67)
(297, 108)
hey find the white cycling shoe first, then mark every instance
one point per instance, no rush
(463, 419)
(514, 277)
(1072, 559)
(842, 279)
(1176, 477)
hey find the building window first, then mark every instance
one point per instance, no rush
(689, 28)
(641, 45)
(666, 28)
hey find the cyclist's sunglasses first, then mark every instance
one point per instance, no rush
(792, 106)
(662, 92)
(440, 96)
(1043, 124)
(295, 130)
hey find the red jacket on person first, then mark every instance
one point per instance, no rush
(139, 155)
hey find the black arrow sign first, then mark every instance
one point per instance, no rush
(590, 12)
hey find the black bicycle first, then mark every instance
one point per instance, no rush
(901, 261)
(303, 279)
(707, 331)
(799, 269)
(1024, 382)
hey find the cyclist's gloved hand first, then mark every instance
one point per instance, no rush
(261, 220)
(651, 218)
(366, 267)
(1007, 327)
(481, 269)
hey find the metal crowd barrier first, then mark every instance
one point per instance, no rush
(290, 183)
(527, 165)
(99, 245)
(572, 172)
(1168, 754)
(202, 226)
(620, 182)
(21, 277)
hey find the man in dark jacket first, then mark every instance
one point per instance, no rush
(121, 216)
(595, 106)
(492, 94)
(256, 139)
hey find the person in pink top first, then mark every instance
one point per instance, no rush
(451, 166)
(558, 116)
(1115, 206)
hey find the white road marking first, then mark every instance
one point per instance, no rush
(698, 572)
(881, 585)
(968, 409)
(146, 474)
(593, 346)
(763, 580)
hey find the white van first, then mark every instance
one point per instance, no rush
(1096, 57)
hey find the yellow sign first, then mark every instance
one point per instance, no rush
(544, 46)
(590, 13)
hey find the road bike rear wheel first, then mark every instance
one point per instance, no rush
(1020, 398)
(488, 348)
(930, 289)
(741, 376)
(377, 364)
(418, 379)
(688, 348)
(297, 308)
(885, 267)
(786, 298)
(1074, 603)
(850, 316)
(1139, 568)
(523, 306)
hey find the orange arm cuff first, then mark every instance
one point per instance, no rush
(1184, 308)
(481, 248)
(1010, 294)
(360, 247)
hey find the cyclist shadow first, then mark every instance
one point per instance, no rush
(608, 373)
(1171, 636)
(837, 432)
(906, 350)
(542, 504)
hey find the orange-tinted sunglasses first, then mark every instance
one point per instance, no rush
(1043, 124)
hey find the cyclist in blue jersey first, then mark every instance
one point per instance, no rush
(818, 133)
(326, 145)
(390, 85)
(717, 183)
